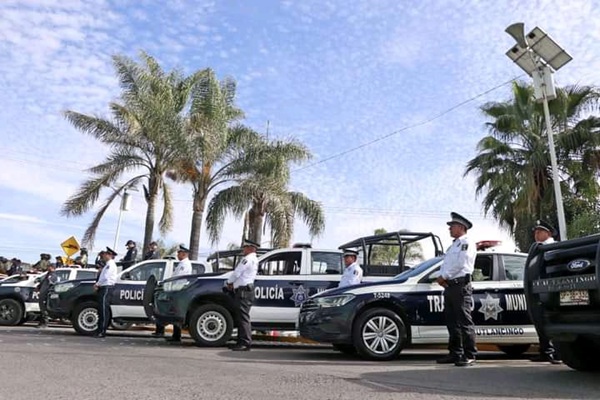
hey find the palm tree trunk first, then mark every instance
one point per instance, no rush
(151, 197)
(255, 224)
(197, 217)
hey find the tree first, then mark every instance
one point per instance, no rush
(262, 198)
(512, 166)
(388, 254)
(145, 134)
(218, 148)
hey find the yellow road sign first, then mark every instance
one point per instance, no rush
(70, 246)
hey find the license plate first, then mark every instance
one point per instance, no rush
(575, 298)
(54, 296)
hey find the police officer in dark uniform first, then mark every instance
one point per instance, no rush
(152, 253)
(49, 279)
(130, 256)
(543, 233)
(455, 277)
(241, 282)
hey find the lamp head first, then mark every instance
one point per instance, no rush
(517, 31)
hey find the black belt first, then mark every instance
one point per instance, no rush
(461, 280)
(247, 288)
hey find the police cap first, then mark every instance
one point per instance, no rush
(250, 243)
(456, 218)
(129, 242)
(543, 225)
(183, 249)
(350, 252)
(110, 251)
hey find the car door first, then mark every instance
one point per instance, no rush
(276, 286)
(128, 294)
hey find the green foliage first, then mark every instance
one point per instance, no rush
(389, 254)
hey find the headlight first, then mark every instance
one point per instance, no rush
(334, 301)
(176, 285)
(63, 287)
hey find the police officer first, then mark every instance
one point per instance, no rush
(104, 287)
(130, 256)
(542, 233)
(49, 279)
(42, 264)
(152, 253)
(455, 277)
(241, 282)
(184, 267)
(353, 273)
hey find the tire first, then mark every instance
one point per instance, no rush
(345, 348)
(514, 350)
(581, 354)
(85, 318)
(120, 326)
(211, 325)
(377, 321)
(11, 312)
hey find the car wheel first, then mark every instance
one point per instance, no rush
(581, 354)
(11, 312)
(211, 325)
(120, 326)
(85, 318)
(348, 349)
(514, 350)
(379, 334)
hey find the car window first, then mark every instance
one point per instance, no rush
(63, 275)
(326, 263)
(86, 274)
(287, 263)
(145, 271)
(484, 268)
(198, 268)
(514, 267)
(418, 269)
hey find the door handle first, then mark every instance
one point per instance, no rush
(296, 282)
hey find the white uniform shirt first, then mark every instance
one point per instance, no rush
(245, 272)
(549, 240)
(183, 268)
(108, 275)
(459, 259)
(352, 275)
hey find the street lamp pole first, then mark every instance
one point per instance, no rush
(124, 206)
(537, 54)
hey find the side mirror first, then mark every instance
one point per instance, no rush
(126, 276)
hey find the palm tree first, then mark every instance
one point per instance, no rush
(145, 134)
(388, 254)
(512, 165)
(262, 197)
(219, 148)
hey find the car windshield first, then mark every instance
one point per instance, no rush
(418, 269)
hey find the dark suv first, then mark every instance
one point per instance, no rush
(563, 296)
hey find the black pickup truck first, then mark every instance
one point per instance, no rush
(562, 289)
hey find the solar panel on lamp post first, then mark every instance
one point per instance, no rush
(539, 56)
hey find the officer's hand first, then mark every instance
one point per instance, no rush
(229, 286)
(96, 287)
(441, 281)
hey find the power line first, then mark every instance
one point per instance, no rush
(425, 122)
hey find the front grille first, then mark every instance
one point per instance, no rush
(309, 306)
(556, 261)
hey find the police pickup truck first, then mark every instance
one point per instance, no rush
(562, 288)
(76, 299)
(286, 279)
(378, 320)
(18, 298)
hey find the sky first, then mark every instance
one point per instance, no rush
(369, 86)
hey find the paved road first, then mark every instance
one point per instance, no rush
(57, 364)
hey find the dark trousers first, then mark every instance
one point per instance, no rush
(243, 302)
(546, 346)
(103, 294)
(458, 303)
(43, 309)
(176, 331)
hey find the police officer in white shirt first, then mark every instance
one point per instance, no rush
(184, 267)
(542, 233)
(104, 287)
(241, 282)
(455, 276)
(353, 273)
